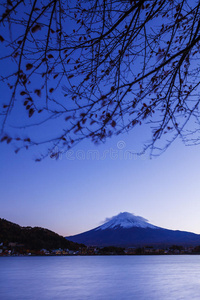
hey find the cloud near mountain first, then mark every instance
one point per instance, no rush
(128, 230)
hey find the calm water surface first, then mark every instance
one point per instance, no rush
(100, 277)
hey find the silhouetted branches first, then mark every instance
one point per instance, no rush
(101, 68)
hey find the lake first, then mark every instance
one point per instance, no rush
(100, 277)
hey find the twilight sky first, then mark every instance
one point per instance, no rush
(90, 183)
(78, 191)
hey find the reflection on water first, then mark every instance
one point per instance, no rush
(100, 277)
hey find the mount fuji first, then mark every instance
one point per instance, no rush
(128, 230)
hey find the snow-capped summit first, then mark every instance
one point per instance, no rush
(128, 230)
(125, 220)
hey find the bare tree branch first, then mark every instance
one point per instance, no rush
(92, 69)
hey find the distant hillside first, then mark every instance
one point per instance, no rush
(34, 238)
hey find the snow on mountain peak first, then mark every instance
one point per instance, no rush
(126, 220)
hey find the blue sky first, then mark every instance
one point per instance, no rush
(70, 195)
(79, 190)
